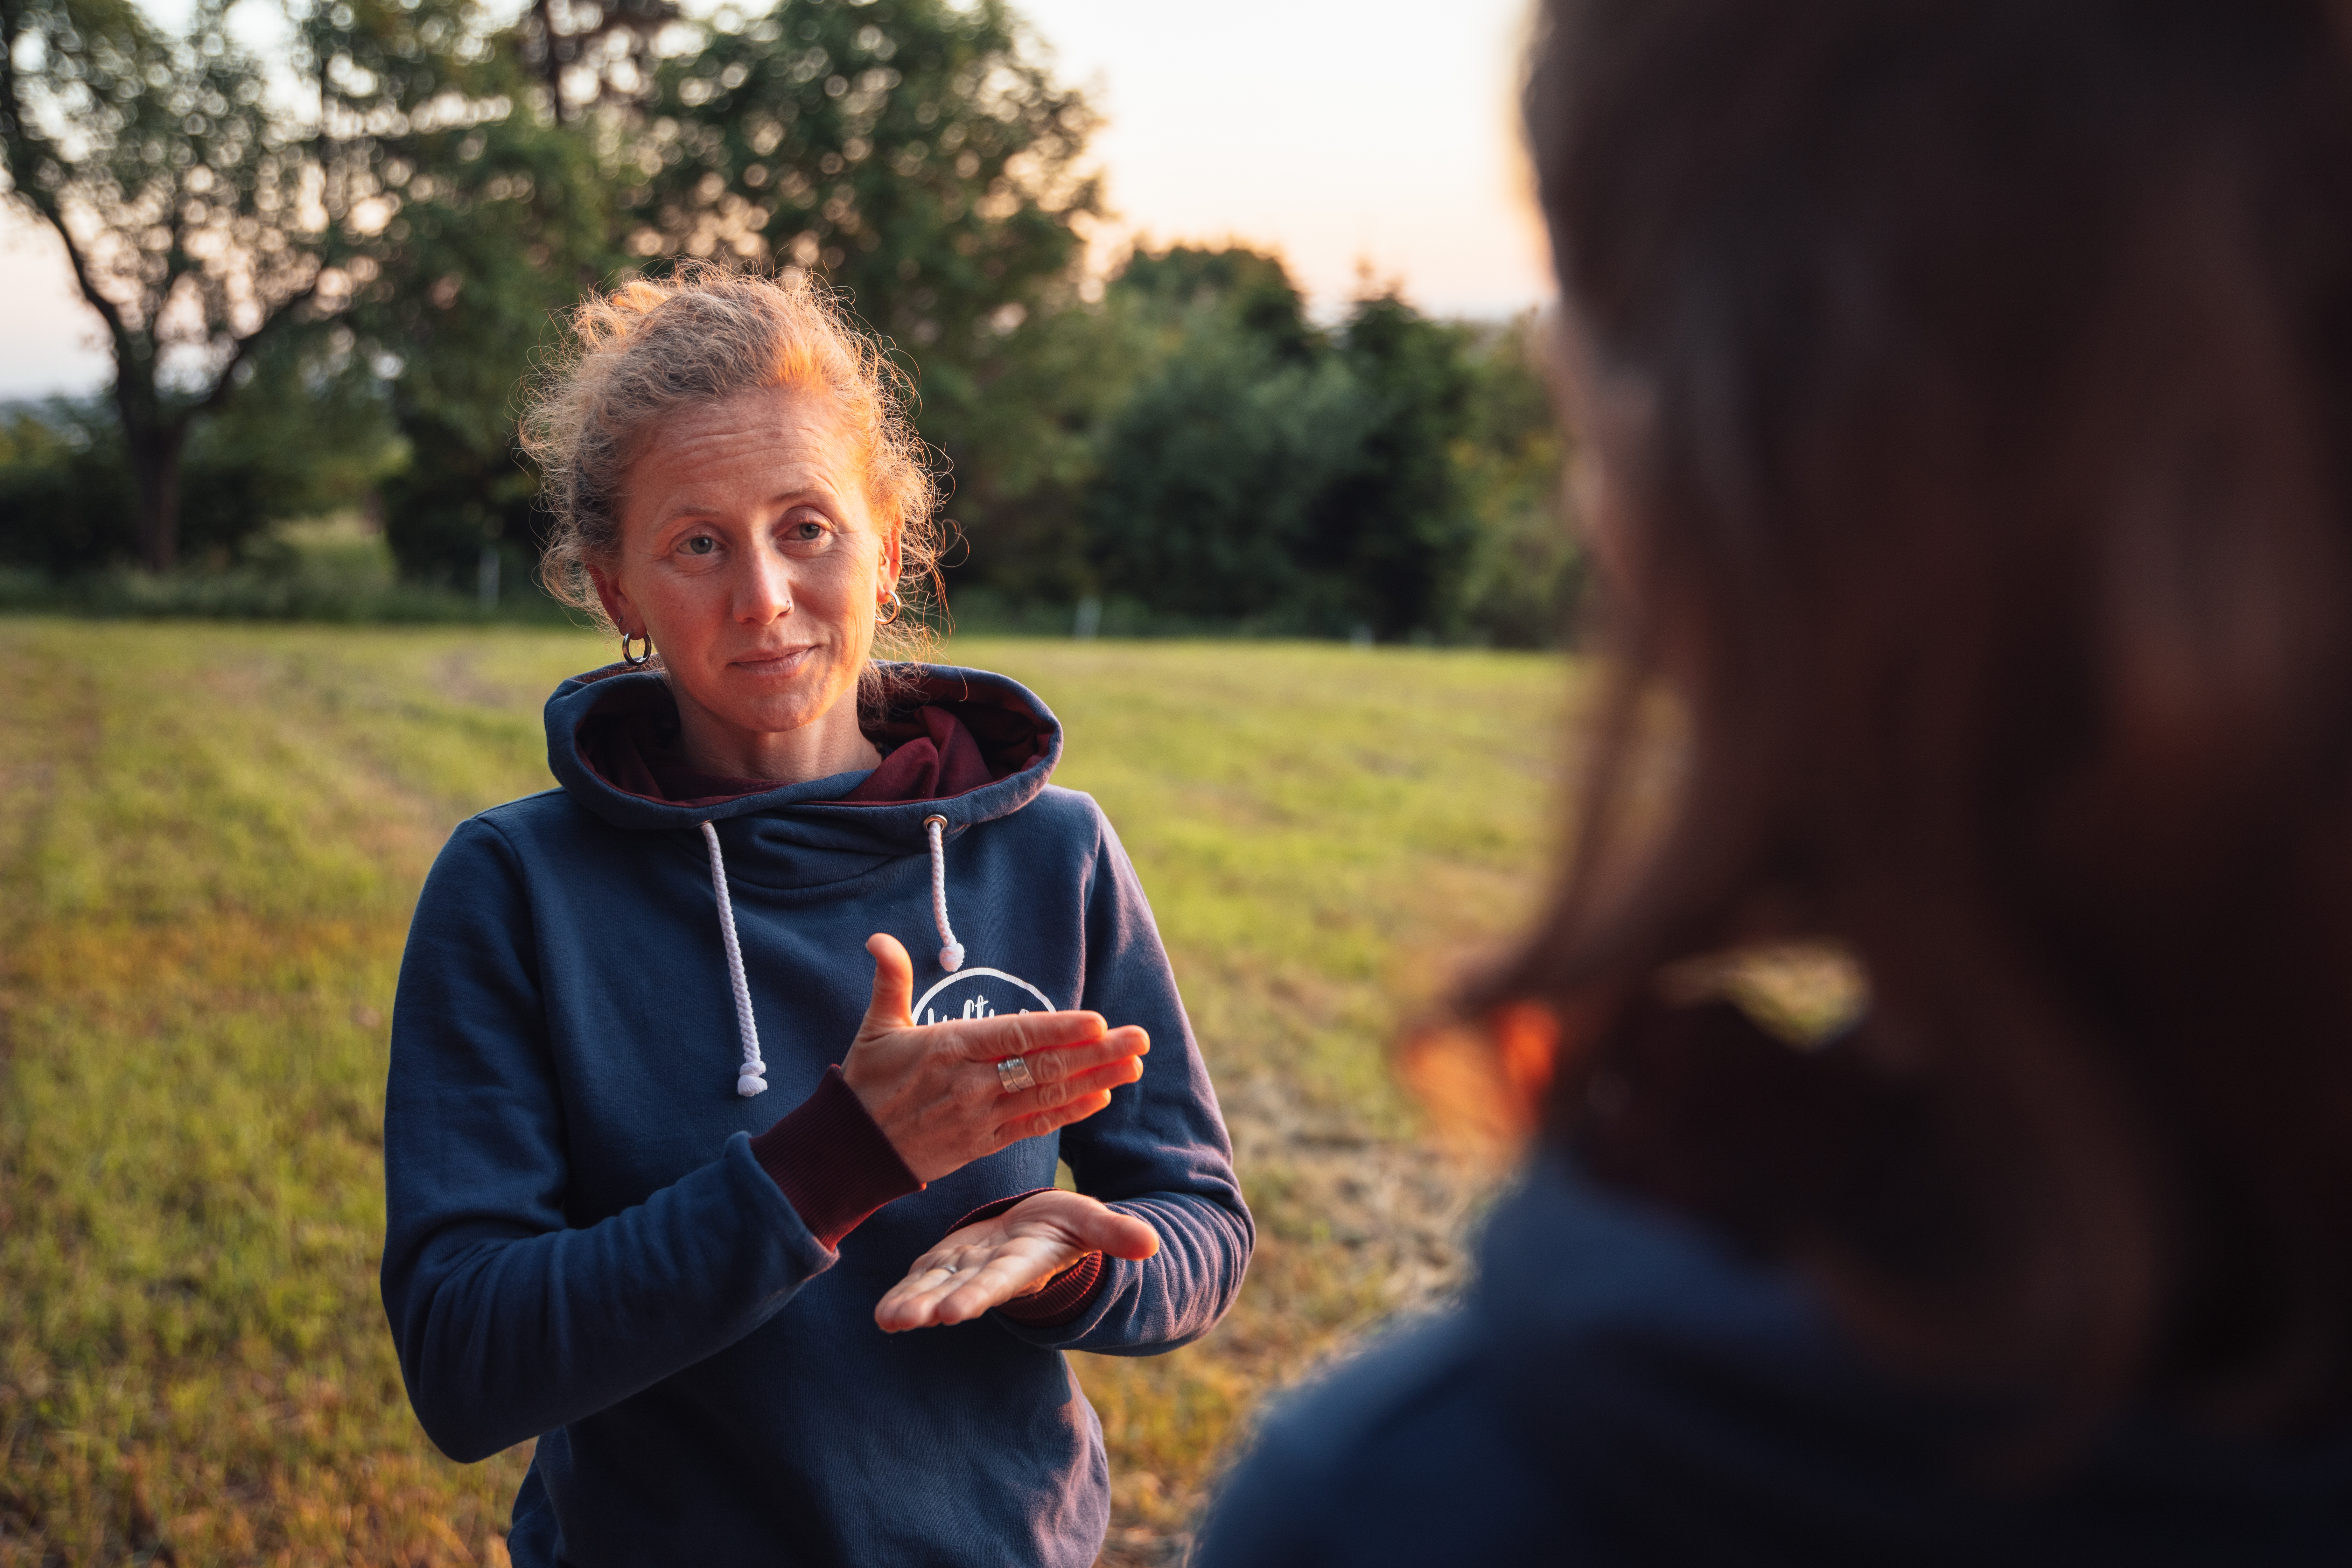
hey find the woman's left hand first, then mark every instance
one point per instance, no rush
(993, 1262)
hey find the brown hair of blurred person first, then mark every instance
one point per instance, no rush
(1976, 481)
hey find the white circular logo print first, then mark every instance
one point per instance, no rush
(979, 993)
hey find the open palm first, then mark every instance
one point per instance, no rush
(993, 1261)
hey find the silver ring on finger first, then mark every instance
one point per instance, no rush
(1013, 1073)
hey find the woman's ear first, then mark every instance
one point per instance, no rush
(893, 556)
(618, 609)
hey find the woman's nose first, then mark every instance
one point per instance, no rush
(764, 589)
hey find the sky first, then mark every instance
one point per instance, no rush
(1358, 138)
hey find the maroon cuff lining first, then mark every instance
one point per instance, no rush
(1064, 1297)
(991, 1208)
(835, 1165)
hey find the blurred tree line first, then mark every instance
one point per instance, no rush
(323, 276)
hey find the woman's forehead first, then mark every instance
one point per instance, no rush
(774, 439)
(799, 418)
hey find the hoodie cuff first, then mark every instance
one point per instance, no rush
(833, 1160)
(1064, 1298)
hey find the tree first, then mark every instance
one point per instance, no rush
(1527, 577)
(910, 151)
(204, 218)
(590, 52)
(1250, 289)
(1398, 526)
(66, 501)
(1212, 479)
(1272, 472)
(1214, 469)
(915, 153)
(184, 210)
(501, 224)
(302, 437)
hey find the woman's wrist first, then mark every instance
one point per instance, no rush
(833, 1161)
(1063, 1299)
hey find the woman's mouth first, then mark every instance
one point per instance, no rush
(780, 661)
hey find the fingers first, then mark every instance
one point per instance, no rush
(1068, 1064)
(1018, 1034)
(1118, 1235)
(894, 985)
(971, 1293)
(1085, 1224)
(913, 1302)
(1037, 1123)
(1058, 1091)
(956, 1287)
(1063, 1077)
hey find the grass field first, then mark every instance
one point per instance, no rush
(210, 840)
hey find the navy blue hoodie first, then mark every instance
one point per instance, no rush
(1624, 1388)
(585, 1245)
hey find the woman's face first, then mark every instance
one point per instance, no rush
(751, 557)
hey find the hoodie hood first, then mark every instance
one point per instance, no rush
(962, 744)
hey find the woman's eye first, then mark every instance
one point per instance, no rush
(803, 531)
(701, 544)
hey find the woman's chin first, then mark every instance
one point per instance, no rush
(773, 706)
(776, 717)
(769, 698)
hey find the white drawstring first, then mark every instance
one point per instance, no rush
(950, 950)
(751, 1082)
(752, 1079)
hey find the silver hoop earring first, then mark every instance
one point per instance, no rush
(642, 660)
(897, 609)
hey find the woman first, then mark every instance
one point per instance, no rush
(1965, 390)
(670, 1183)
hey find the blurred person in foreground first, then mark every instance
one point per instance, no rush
(1965, 397)
(763, 1247)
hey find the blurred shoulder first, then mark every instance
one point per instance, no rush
(1405, 1454)
(1480, 1436)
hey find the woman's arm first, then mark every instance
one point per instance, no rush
(509, 1323)
(1158, 1152)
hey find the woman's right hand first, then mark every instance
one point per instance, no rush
(933, 1089)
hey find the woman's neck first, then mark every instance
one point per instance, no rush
(831, 743)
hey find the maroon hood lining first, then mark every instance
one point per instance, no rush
(936, 751)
